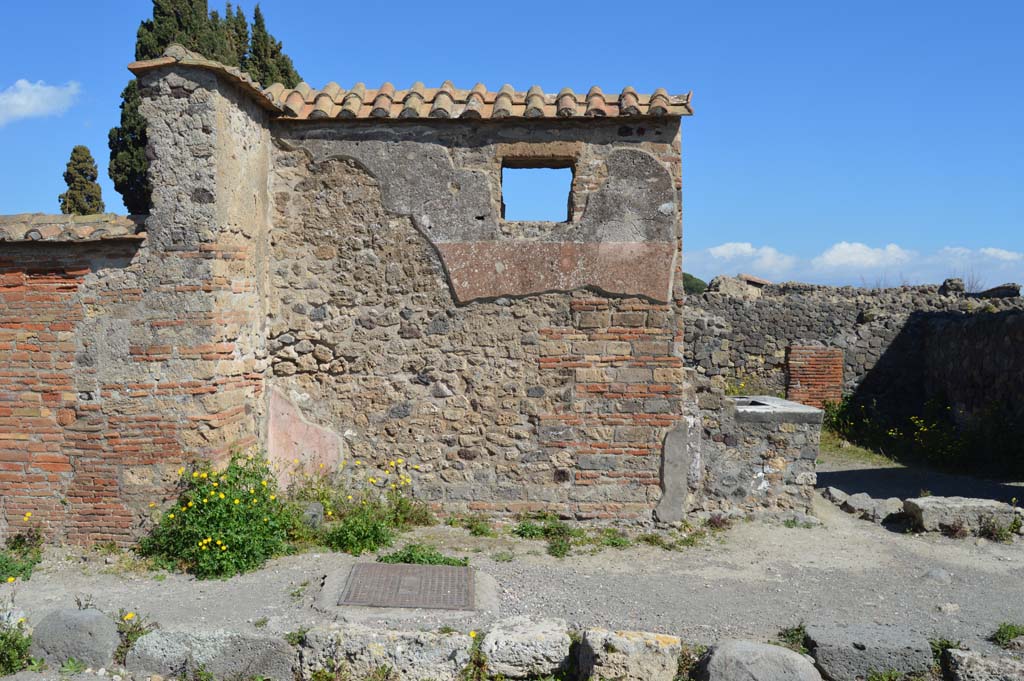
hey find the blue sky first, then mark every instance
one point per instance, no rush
(862, 143)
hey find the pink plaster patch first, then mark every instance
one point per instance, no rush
(296, 447)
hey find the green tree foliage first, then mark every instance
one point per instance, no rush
(692, 284)
(190, 24)
(83, 196)
(128, 161)
(267, 63)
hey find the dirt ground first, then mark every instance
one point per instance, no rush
(748, 581)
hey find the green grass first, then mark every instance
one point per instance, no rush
(422, 554)
(477, 525)
(559, 535)
(503, 557)
(1005, 633)
(833, 447)
(295, 638)
(793, 638)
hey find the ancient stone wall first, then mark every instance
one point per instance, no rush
(745, 338)
(443, 347)
(123, 358)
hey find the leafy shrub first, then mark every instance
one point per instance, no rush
(14, 645)
(422, 554)
(366, 526)
(1005, 633)
(613, 538)
(996, 531)
(130, 627)
(21, 554)
(223, 523)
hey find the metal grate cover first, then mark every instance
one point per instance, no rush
(438, 587)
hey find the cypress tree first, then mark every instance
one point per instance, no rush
(267, 62)
(189, 23)
(83, 196)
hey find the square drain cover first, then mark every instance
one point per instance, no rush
(440, 587)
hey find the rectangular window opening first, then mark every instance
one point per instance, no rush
(532, 192)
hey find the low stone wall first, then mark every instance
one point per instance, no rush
(517, 648)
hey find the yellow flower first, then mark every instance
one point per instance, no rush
(295, 460)
(391, 463)
(349, 497)
(358, 462)
(128, 616)
(203, 476)
(171, 516)
(416, 467)
(263, 482)
(220, 494)
(195, 474)
(10, 580)
(330, 513)
(273, 496)
(393, 485)
(208, 540)
(190, 504)
(21, 620)
(216, 484)
(472, 634)
(181, 470)
(373, 481)
(219, 542)
(237, 501)
(152, 504)
(224, 548)
(205, 500)
(401, 461)
(266, 520)
(28, 514)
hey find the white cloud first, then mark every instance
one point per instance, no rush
(759, 258)
(1002, 254)
(861, 256)
(31, 100)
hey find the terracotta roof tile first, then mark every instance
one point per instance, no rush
(57, 228)
(303, 102)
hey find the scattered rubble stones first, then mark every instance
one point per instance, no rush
(86, 635)
(749, 661)
(628, 655)
(850, 652)
(864, 506)
(521, 647)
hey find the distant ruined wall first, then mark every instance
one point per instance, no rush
(915, 341)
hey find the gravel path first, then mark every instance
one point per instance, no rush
(752, 580)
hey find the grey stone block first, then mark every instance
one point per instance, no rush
(965, 665)
(520, 648)
(749, 661)
(851, 652)
(223, 654)
(88, 636)
(413, 655)
(941, 514)
(628, 655)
